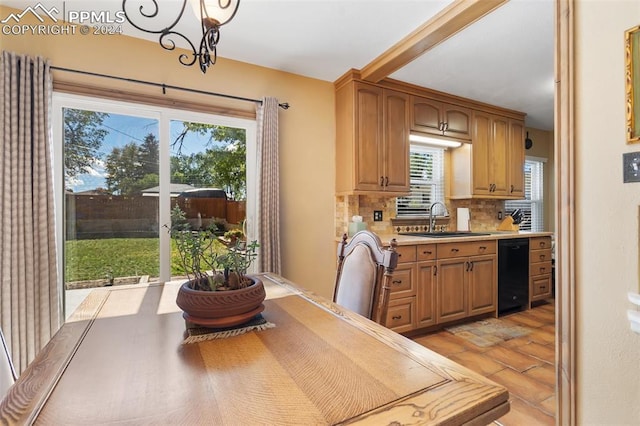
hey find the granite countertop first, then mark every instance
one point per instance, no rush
(405, 240)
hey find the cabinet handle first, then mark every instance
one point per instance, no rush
(386, 181)
(542, 269)
(445, 127)
(467, 266)
(542, 257)
(542, 243)
(381, 180)
(471, 264)
(435, 271)
(512, 188)
(455, 250)
(396, 317)
(396, 282)
(427, 252)
(482, 248)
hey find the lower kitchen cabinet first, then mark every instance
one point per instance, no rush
(438, 283)
(540, 269)
(451, 289)
(467, 279)
(482, 285)
(426, 295)
(401, 315)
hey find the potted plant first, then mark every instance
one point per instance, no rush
(218, 291)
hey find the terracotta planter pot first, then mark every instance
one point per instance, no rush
(221, 308)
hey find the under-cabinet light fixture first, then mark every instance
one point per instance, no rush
(212, 14)
(434, 141)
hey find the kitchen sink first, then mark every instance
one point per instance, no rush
(445, 234)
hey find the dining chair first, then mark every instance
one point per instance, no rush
(363, 278)
(7, 372)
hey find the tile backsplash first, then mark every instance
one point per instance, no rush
(483, 213)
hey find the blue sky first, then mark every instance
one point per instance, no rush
(124, 129)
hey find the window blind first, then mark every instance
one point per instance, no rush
(426, 181)
(533, 204)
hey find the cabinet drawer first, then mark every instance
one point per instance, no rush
(401, 314)
(403, 282)
(538, 243)
(540, 256)
(474, 248)
(540, 268)
(427, 252)
(406, 254)
(540, 287)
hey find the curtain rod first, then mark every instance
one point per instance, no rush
(283, 105)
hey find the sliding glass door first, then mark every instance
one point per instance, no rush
(122, 168)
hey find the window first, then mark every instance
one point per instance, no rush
(533, 204)
(427, 181)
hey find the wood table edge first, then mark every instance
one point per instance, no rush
(29, 394)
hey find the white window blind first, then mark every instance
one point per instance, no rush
(533, 204)
(427, 181)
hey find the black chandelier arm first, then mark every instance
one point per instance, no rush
(168, 44)
(152, 15)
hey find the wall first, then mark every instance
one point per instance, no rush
(307, 129)
(608, 353)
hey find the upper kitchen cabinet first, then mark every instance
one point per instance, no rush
(439, 118)
(492, 166)
(372, 139)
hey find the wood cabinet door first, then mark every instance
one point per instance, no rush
(481, 159)
(426, 295)
(426, 115)
(499, 168)
(458, 121)
(516, 159)
(451, 294)
(396, 141)
(368, 143)
(482, 284)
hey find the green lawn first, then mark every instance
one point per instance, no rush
(120, 257)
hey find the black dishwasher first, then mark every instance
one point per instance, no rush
(513, 275)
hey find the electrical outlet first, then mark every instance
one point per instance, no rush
(631, 167)
(377, 215)
(500, 215)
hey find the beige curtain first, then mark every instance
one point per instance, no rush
(268, 186)
(29, 303)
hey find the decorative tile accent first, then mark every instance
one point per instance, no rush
(484, 214)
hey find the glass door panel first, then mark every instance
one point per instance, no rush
(111, 179)
(208, 177)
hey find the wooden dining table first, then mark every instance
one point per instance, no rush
(121, 359)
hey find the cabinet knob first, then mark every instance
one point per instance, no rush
(542, 256)
(542, 269)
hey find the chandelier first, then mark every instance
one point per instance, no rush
(213, 14)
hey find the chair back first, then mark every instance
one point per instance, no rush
(7, 372)
(363, 278)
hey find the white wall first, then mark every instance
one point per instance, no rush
(608, 353)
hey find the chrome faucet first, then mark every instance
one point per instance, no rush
(432, 220)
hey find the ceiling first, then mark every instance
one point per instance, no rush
(504, 59)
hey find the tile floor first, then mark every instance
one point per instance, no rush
(524, 365)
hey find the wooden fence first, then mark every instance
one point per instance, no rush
(113, 216)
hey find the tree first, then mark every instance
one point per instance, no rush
(133, 167)
(222, 165)
(83, 136)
